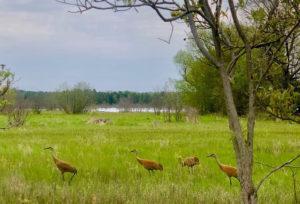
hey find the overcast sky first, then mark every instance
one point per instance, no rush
(46, 46)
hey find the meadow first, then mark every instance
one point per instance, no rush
(109, 173)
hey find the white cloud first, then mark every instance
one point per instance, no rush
(35, 30)
(22, 27)
(39, 43)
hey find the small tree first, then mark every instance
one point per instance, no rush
(17, 114)
(125, 104)
(167, 106)
(157, 102)
(172, 103)
(191, 114)
(76, 99)
(201, 87)
(6, 79)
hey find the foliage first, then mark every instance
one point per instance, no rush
(8, 100)
(6, 79)
(201, 86)
(38, 100)
(76, 99)
(114, 97)
(47, 100)
(280, 103)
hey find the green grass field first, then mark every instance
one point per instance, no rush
(108, 173)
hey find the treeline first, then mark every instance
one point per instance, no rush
(81, 98)
(48, 100)
(112, 98)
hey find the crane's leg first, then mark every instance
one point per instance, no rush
(63, 177)
(72, 177)
(230, 180)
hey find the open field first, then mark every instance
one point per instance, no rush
(108, 173)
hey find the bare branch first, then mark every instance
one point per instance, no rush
(236, 22)
(275, 170)
(170, 37)
(232, 63)
(271, 61)
(268, 165)
(199, 43)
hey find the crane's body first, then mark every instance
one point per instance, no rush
(189, 161)
(148, 164)
(63, 166)
(230, 171)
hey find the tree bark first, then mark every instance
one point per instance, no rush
(245, 164)
(243, 150)
(243, 147)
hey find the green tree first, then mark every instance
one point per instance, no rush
(75, 99)
(200, 87)
(6, 79)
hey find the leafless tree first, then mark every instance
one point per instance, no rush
(191, 114)
(125, 104)
(157, 102)
(17, 115)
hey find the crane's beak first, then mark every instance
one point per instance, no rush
(134, 151)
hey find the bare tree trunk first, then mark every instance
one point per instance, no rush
(249, 192)
(242, 150)
(245, 162)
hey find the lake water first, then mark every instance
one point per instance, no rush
(116, 110)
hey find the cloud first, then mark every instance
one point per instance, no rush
(40, 39)
(108, 34)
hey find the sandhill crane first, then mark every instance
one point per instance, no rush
(63, 166)
(148, 164)
(230, 171)
(189, 161)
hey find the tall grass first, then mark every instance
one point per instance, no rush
(108, 173)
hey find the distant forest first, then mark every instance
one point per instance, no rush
(48, 99)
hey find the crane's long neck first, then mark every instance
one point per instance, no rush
(139, 159)
(218, 162)
(55, 159)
